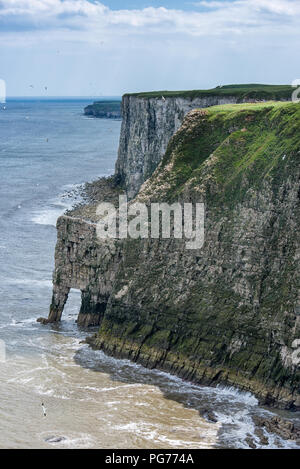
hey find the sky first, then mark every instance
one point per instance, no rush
(109, 47)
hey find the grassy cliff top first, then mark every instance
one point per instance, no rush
(223, 151)
(250, 91)
(244, 107)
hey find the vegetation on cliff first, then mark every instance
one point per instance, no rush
(244, 92)
(228, 313)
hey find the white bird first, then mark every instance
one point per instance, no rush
(163, 98)
(44, 409)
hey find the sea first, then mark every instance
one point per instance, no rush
(48, 150)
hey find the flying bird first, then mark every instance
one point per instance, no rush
(44, 409)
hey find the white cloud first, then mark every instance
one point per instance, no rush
(281, 7)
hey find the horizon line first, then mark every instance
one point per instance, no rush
(66, 96)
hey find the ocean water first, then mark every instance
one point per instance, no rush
(47, 150)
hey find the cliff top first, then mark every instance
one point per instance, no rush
(244, 107)
(251, 91)
(227, 145)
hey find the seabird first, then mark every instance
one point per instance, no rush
(44, 409)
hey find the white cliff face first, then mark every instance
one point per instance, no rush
(148, 124)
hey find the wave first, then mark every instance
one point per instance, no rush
(22, 323)
(47, 217)
(155, 434)
(71, 195)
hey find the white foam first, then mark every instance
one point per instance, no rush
(23, 323)
(29, 281)
(232, 407)
(58, 205)
(152, 433)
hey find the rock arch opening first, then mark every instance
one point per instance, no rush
(73, 304)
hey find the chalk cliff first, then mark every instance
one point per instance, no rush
(229, 312)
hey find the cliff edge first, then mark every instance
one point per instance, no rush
(229, 312)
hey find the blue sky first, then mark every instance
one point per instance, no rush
(89, 48)
(140, 4)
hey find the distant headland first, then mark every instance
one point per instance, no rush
(104, 109)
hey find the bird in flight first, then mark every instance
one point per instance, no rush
(44, 409)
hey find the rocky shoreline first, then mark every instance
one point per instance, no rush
(284, 428)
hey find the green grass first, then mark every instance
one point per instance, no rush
(102, 107)
(184, 311)
(243, 91)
